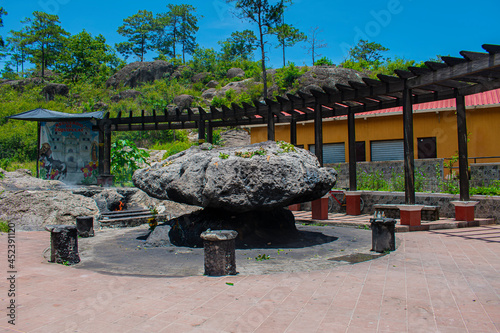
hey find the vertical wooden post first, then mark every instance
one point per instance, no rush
(409, 153)
(201, 130)
(293, 131)
(38, 149)
(101, 151)
(351, 133)
(107, 149)
(210, 133)
(270, 123)
(462, 148)
(318, 132)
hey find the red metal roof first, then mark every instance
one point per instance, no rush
(485, 98)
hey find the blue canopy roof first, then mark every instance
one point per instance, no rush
(40, 114)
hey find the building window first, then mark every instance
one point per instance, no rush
(332, 152)
(427, 148)
(388, 150)
(360, 151)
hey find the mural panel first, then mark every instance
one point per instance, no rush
(69, 151)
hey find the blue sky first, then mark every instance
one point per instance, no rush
(413, 29)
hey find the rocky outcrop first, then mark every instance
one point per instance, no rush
(183, 101)
(212, 84)
(199, 77)
(235, 138)
(209, 93)
(320, 76)
(109, 200)
(235, 72)
(52, 89)
(130, 93)
(238, 87)
(22, 179)
(33, 210)
(172, 209)
(256, 177)
(136, 73)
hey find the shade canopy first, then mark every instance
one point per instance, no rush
(40, 114)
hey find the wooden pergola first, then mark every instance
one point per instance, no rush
(456, 78)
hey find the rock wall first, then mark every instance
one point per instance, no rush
(432, 169)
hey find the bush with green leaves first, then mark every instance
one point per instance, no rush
(125, 159)
(286, 77)
(324, 61)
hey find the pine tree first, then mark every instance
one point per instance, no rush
(139, 30)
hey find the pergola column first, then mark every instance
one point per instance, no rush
(210, 133)
(293, 131)
(462, 147)
(270, 123)
(201, 130)
(318, 132)
(351, 133)
(409, 152)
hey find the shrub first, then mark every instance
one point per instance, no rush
(324, 62)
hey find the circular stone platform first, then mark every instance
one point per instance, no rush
(123, 251)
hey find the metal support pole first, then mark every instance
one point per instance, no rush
(293, 131)
(107, 149)
(38, 149)
(409, 152)
(351, 133)
(270, 124)
(210, 133)
(462, 148)
(201, 130)
(318, 132)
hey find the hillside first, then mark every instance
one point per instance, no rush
(146, 86)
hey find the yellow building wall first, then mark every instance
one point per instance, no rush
(483, 126)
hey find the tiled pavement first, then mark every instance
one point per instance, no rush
(343, 220)
(436, 281)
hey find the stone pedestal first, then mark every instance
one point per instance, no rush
(294, 208)
(410, 214)
(319, 208)
(220, 254)
(85, 226)
(464, 210)
(63, 244)
(353, 203)
(105, 180)
(383, 237)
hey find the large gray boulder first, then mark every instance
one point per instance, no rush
(256, 177)
(136, 73)
(329, 76)
(53, 89)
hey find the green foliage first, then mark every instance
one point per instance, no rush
(262, 257)
(43, 38)
(4, 226)
(287, 36)
(493, 189)
(86, 57)
(173, 148)
(370, 52)
(223, 156)
(324, 61)
(286, 147)
(241, 44)
(286, 77)
(125, 159)
(2, 12)
(178, 26)
(139, 30)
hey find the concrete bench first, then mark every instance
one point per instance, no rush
(429, 213)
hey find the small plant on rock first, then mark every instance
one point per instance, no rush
(223, 156)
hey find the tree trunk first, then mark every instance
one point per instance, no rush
(43, 60)
(284, 64)
(263, 54)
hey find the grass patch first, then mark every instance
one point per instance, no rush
(4, 226)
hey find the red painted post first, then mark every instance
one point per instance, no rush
(319, 209)
(353, 203)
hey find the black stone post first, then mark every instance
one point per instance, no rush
(63, 244)
(409, 151)
(85, 226)
(351, 133)
(318, 132)
(220, 254)
(383, 238)
(463, 163)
